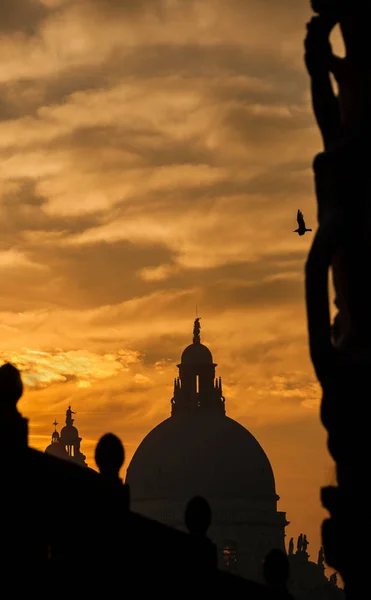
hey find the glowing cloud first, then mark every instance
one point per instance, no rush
(41, 369)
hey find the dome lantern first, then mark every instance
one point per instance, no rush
(196, 389)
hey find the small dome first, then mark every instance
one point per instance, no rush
(69, 432)
(55, 435)
(57, 449)
(197, 354)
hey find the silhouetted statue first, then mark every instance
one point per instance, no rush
(69, 419)
(197, 519)
(196, 331)
(341, 351)
(114, 508)
(13, 427)
(23, 541)
(318, 58)
(109, 455)
(342, 182)
(11, 388)
(276, 573)
(352, 73)
(197, 516)
(301, 224)
(291, 546)
(305, 543)
(299, 545)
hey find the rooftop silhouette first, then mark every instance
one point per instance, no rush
(276, 571)
(97, 531)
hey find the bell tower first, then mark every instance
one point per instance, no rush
(196, 389)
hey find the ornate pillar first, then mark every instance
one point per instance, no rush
(341, 350)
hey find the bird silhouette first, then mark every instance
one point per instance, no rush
(302, 228)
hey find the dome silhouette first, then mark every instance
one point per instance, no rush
(197, 354)
(69, 432)
(200, 457)
(57, 449)
(195, 456)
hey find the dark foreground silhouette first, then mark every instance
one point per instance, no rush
(276, 571)
(341, 350)
(68, 531)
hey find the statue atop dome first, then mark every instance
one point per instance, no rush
(196, 389)
(69, 419)
(66, 444)
(196, 331)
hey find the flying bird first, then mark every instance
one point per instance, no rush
(302, 228)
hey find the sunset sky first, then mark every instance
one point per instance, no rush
(153, 156)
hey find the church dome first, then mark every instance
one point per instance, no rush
(210, 456)
(57, 449)
(197, 354)
(69, 432)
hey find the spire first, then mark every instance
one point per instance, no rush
(56, 448)
(196, 331)
(55, 434)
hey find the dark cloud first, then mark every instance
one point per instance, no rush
(165, 346)
(21, 16)
(79, 277)
(247, 272)
(270, 353)
(265, 295)
(22, 210)
(136, 6)
(245, 289)
(137, 145)
(230, 79)
(224, 72)
(89, 276)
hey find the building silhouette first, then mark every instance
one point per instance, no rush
(200, 452)
(67, 444)
(98, 532)
(308, 580)
(69, 531)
